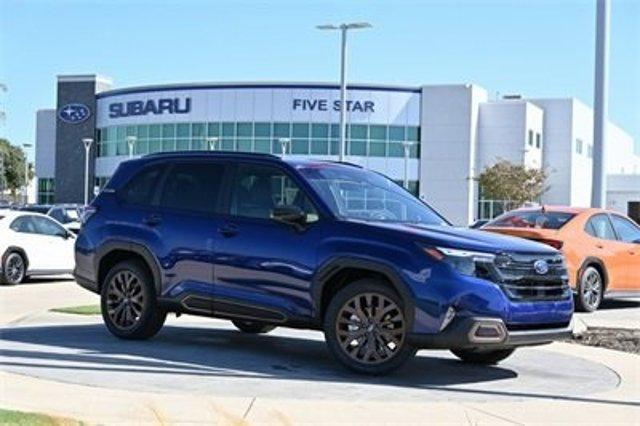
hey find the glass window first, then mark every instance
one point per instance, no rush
(245, 129)
(579, 147)
(530, 137)
(198, 129)
(263, 130)
(627, 231)
(357, 131)
(300, 146)
(335, 131)
(262, 145)
(228, 129)
(258, 190)
(532, 219)
(245, 144)
(131, 131)
(320, 146)
(413, 133)
(377, 149)
(46, 226)
(538, 140)
(300, 130)
(360, 194)
(183, 144)
(193, 187)
(357, 147)
(184, 130)
(396, 133)
(168, 130)
(24, 224)
(378, 133)
(141, 188)
(396, 149)
(213, 129)
(599, 226)
(319, 131)
(281, 130)
(155, 131)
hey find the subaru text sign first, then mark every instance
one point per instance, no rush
(74, 113)
(150, 106)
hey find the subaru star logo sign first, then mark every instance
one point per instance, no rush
(74, 113)
(541, 267)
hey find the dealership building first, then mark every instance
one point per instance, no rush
(437, 137)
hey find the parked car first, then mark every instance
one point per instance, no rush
(68, 215)
(36, 208)
(479, 223)
(33, 244)
(602, 247)
(320, 245)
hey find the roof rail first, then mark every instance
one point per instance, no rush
(211, 153)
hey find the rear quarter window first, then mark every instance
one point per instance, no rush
(532, 219)
(140, 190)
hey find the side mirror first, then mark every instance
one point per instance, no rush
(291, 215)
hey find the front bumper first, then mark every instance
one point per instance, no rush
(483, 332)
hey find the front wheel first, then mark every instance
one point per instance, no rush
(366, 328)
(482, 356)
(128, 300)
(253, 327)
(590, 290)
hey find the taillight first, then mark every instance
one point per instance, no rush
(87, 212)
(553, 243)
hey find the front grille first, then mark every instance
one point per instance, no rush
(520, 280)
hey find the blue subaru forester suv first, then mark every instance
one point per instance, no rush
(267, 242)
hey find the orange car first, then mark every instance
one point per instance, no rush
(602, 247)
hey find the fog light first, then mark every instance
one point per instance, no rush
(448, 317)
(488, 331)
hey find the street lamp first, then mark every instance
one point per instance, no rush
(283, 145)
(343, 28)
(211, 142)
(87, 142)
(407, 148)
(26, 172)
(131, 142)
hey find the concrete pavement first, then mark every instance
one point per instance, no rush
(199, 370)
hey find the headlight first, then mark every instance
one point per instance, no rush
(471, 263)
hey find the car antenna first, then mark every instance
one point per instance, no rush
(543, 209)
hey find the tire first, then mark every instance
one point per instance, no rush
(590, 290)
(128, 302)
(482, 356)
(382, 343)
(253, 327)
(14, 269)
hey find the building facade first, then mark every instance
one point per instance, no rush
(436, 137)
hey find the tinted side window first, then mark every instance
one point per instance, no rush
(599, 226)
(257, 190)
(626, 230)
(141, 188)
(24, 224)
(193, 187)
(46, 226)
(57, 215)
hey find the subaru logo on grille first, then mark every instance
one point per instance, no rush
(541, 267)
(74, 113)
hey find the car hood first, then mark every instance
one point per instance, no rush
(466, 239)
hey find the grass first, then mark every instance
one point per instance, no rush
(19, 418)
(79, 310)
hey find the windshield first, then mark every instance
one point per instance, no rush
(354, 193)
(537, 219)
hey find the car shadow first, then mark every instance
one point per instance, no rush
(619, 304)
(46, 280)
(221, 353)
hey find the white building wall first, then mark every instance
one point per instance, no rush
(621, 155)
(45, 143)
(581, 162)
(621, 190)
(448, 149)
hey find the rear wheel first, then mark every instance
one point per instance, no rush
(129, 304)
(366, 328)
(253, 327)
(14, 269)
(482, 356)
(590, 290)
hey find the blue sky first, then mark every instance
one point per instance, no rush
(536, 48)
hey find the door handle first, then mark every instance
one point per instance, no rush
(600, 246)
(228, 230)
(152, 220)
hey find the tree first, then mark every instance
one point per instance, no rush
(512, 182)
(13, 160)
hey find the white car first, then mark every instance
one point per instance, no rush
(33, 244)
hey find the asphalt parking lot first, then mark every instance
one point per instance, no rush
(209, 358)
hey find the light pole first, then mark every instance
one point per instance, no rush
(26, 172)
(87, 142)
(131, 142)
(211, 142)
(343, 74)
(407, 148)
(283, 145)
